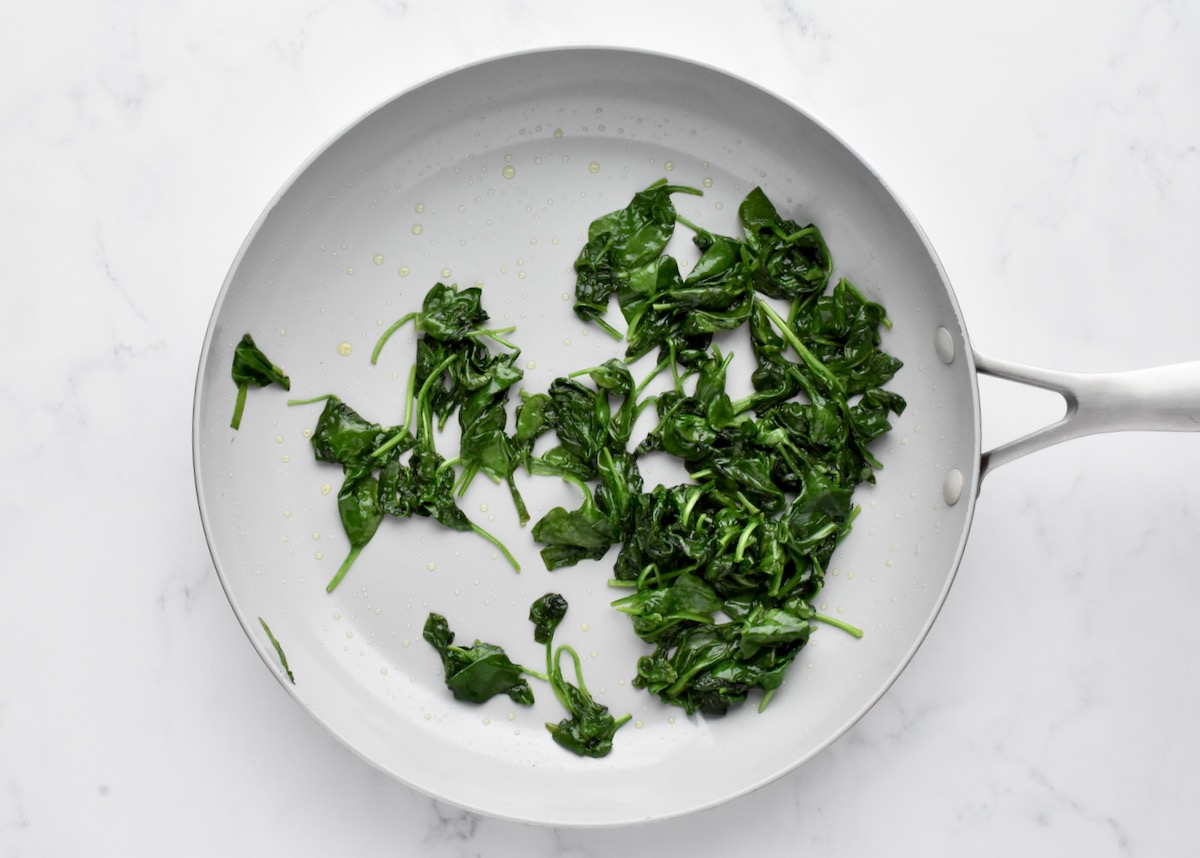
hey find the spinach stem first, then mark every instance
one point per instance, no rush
(497, 335)
(239, 406)
(344, 568)
(840, 624)
(322, 398)
(499, 545)
(397, 325)
(810, 360)
(609, 329)
(408, 396)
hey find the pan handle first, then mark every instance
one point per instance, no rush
(1164, 398)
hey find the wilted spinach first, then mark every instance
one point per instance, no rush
(724, 568)
(589, 730)
(252, 368)
(453, 371)
(477, 673)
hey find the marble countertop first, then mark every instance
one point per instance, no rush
(1050, 151)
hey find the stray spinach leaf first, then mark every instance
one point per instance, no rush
(278, 650)
(252, 368)
(477, 673)
(590, 729)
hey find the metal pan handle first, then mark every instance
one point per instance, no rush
(1164, 398)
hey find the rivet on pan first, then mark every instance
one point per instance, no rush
(952, 487)
(943, 344)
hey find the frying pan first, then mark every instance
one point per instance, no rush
(490, 175)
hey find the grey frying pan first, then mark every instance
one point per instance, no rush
(490, 175)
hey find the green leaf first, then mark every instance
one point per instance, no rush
(478, 673)
(252, 368)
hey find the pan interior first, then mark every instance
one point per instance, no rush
(490, 176)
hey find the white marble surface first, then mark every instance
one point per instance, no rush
(1052, 153)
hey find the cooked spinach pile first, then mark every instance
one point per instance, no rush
(454, 372)
(723, 568)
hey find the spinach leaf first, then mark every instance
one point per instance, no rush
(278, 651)
(252, 368)
(590, 729)
(622, 252)
(477, 673)
(361, 512)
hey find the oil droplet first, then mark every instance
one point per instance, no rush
(337, 615)
(319, 556)
(349, 269)
(487, 721)
(595, 654)
(344, 348)
(278, 439)
(558, 133)
(285, 458)
(307, 433)
(445, 272)
(383, 671)
(890, 562)
(530, 364)
(671, 720)
(483, 507)
(428, 717)
(404, 642)
(707, 181)
(509, 171)
(594, 167)
(402, 271)
(349, 635)
(841, 610)
(639, 724)
(850, 576)
(417, 229)
(432, 566)
(326, 489)
(377, 259)
(585, 627)
(669, 166)
(567, 342)
(419, 207)
(316, 534)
